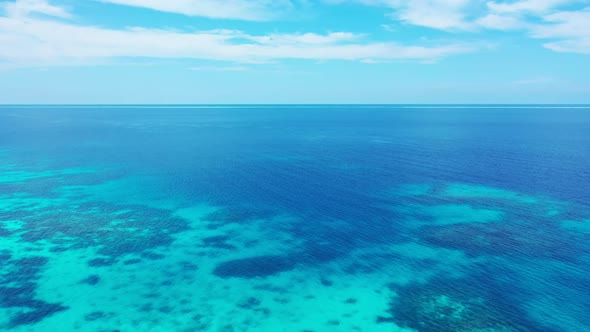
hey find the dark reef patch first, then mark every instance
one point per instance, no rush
(113, 229)
(18, 290)
(152, 255)
(326, 282)
(91, 280)
(166, 309)
(59, 249)
(4, 232)
(95, 315)
(541, 239)
(335, 239)
(146, 307)
(132, 261)
(476, 303)
(99, 262)
(250, 303)
(41, 311)
(4, 257)
(219, 242)
(259, 266)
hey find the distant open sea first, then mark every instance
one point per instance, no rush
(448, 218)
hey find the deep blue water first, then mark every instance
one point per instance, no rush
(282, 218)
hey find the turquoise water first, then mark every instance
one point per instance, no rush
(278, 218)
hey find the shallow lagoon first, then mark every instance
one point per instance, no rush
(294, 219)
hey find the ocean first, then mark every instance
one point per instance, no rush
(447, 218)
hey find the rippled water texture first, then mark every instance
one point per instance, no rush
(274, 218)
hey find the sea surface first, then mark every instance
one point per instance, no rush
(295, 218)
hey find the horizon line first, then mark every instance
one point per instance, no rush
(294, 104)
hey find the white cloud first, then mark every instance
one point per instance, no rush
(521, 14)
(570, 46)
(438, 14)
(526, 6)
(254, 10)
(33, 41)
(307, 38)
(544, 19)
(24, 8)
(541, 19)
(564, 25)
(500, 22)
(571, 28)
(466, 15)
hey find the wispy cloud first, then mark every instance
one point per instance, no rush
(500, 22)
(541, 19)
(527, 6)
(253, 10)
(28, 40)
(536, 81)
(437, 14)
(546, 19)
(219, 68)
(24, 8)
(570, 28)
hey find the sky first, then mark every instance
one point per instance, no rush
(294, 51)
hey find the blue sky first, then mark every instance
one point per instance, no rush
(294, 51)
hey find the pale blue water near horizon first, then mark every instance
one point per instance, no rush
(295, 218)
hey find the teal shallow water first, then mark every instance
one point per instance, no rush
(213, 221)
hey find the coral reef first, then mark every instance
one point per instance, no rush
(474, 303)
